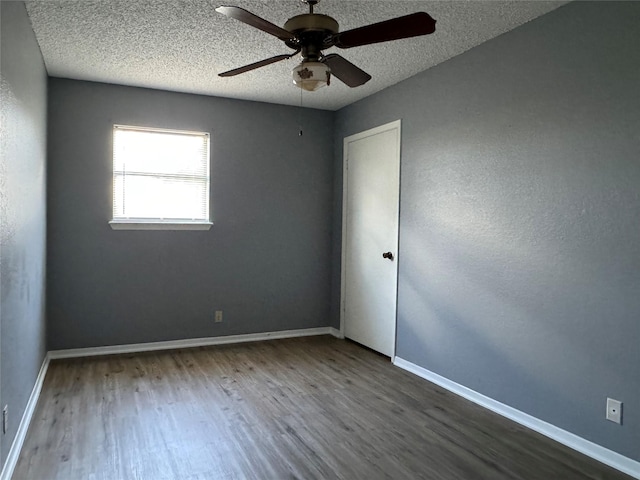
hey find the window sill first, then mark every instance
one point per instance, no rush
(158, 225)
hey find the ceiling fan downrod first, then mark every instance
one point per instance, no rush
(311, 3)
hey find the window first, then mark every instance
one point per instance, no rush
(160, 179)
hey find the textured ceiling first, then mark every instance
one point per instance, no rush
(182, 45)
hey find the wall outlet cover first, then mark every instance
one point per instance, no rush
(614, 411)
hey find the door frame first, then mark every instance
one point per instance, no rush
(395, 125)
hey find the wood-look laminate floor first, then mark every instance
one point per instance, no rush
(307, 408)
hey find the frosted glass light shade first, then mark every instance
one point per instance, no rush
(311, 76)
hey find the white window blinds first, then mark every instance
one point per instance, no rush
(160, 175)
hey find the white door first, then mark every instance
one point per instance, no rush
(371, 200)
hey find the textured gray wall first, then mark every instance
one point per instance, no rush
(23, 100)
(519, 241)
(264, 262)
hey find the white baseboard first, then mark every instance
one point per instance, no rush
(188, 343)
(18, 441)
(336, 333)
(597, 452)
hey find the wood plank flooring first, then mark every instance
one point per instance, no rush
(306, 408)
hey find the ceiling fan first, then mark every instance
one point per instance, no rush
(311, 33)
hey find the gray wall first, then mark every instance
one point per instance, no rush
(520, 203)
(23, 100)
(264, 262)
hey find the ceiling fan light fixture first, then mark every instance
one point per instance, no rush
(311, 76)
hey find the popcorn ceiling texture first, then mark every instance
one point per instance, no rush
(183, 45)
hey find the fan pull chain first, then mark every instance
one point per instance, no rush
(300, 116)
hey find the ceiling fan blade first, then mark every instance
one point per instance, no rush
(346, 71)
(412, 25)
(253, 66)
(260, 23)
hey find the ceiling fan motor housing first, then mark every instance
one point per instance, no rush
(311, 30)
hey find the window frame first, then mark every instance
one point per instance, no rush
(132, 223)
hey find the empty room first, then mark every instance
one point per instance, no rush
(320, 239)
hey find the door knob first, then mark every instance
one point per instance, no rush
(388, 255)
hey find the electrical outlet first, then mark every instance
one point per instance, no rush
(218, 317)
(5, 419)
(614, 411)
